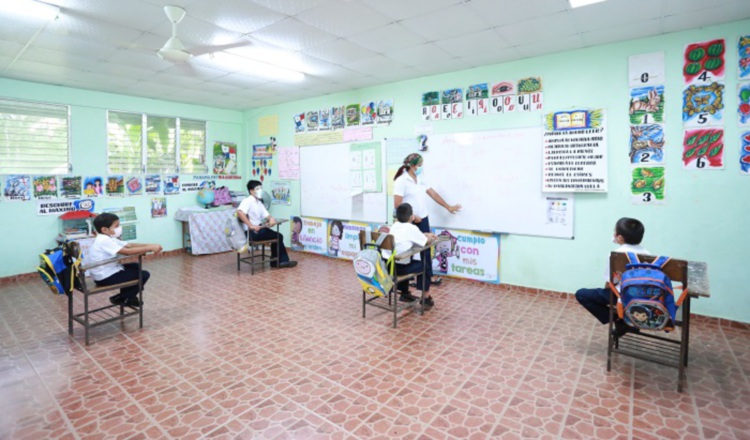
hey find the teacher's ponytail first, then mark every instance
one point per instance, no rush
(411, 160)
(400, 171)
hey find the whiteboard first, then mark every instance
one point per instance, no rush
(326, 190)
(497, 177)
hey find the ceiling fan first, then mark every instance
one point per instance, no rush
(174, 51)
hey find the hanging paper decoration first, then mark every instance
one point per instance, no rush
(431, 106)
(743, 51)
(703, 149)
(702, 104)
(745, 153)
(647, 185)
(704, 62)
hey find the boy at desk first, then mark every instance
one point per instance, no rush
(628, 235)
(255, 217)
(405, 236)
(107, 245)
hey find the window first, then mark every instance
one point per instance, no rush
(155, 144)
(34, 138)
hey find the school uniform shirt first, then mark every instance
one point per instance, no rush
(254, 209)
(625, 248)
(405, 236)
(104, 248)
(413, 192)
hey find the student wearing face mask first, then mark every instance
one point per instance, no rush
(107, 245)
(627, 236)
(410, 187)
(259, 222)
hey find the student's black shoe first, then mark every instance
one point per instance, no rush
(428, 303)
(288, 264)
(621, 328)
(133, 302)
(436, 281)
(407, 297)
(117, 300)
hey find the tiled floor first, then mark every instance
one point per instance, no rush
(286, 354)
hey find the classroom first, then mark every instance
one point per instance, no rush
(538, 125)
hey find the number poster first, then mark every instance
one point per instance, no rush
(703, 149)
(647, 144)
(647, 185)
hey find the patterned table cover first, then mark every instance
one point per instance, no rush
(206, 228)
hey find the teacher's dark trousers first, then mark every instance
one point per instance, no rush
(424, 226)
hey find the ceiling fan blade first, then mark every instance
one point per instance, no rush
(202, 50)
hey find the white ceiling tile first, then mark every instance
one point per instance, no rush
(235, 15)
(358, 82)
(219, 86)
(343, 18)
(74, 45)
(241, 80)
(502, 12)
(132, 14)
(490, 57)
(292, 34)
(339, 52)
(101, 32)
(446, 23)
(144, 88)
(540, 29)
(186, 81)
(9, 49)
(387, 38)
(56, 58)
(676, 7)
(49, 70)
(375, 64)
(119, 70)
(389, 75)
(9, 31)
(161, 3)
(473, 43)
(142, 59)
(555, 45)
(289, 7)
(612, 13)
(441, 66)
(194, 70)
(401, 9)
(706, 17)
(622, 33)
(415, 56)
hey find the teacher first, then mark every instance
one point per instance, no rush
(410, 188)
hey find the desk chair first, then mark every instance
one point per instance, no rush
(648, 345)
(258, 249)
(103, 315)
(390, 302)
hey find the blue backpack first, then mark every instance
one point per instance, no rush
(59, 267)
(646, 296)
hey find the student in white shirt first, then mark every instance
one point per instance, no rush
(409, 187)
(628, 234)
(255, 216)
(405, 236)
(107, 246)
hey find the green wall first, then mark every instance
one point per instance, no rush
(704, 213)
(24, 234)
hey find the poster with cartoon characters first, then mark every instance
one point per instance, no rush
(281, 194)
(225, 158)
(324, 119)
(17, 188)
(368, 115)
(337, 118)
(158, 207)
(352, 115)
(466, 254)
(171, 184)
(703, 149)
(310, 235)
(343, 238)
(116, 186)
(647, 144)
(702, 104)
(311, 118)
(45, 187)
(70, 187)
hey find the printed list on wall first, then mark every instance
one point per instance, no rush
(575, 151)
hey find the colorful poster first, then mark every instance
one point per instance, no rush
(703, 148)
(57, 207)
(299, 122)
(17, 188)
(529, 97)
(153, 184)
(384, 111)
(289, 163)
(337, 118)
(158, 207)
(452, 104)
(93, 186)
(470, 255)
(477, 100)
(647, 186)
(575, 151)
(743, 105)
(743, 51)
(704, 62)
(134, 186)
(262, 162)
(225, 158)
(367, 113)
(309, 235)
(281, 194)
(702, 104)
(70, 187)
(198, 183)
(431, 106)
(503, 97)
(647, 144)
(324, 119)
(745, 153)
(311, 118)
(352, 115)
(171, 184)
(45, 187)
(343, 238)
(365, 167)
(646, 69)
(116, 186)
(647, 105)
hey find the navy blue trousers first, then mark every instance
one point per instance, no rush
(412, 267)
(129, 273)
(269, 234)
(424, 226)
(596, 301)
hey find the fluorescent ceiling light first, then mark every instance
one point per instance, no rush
(578, 3)
(257, 68)
(29, 9)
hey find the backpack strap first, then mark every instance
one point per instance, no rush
(632, 257)
(381, 239)
(661, 261)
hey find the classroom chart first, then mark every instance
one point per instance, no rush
(343, 181)
(496, 177)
